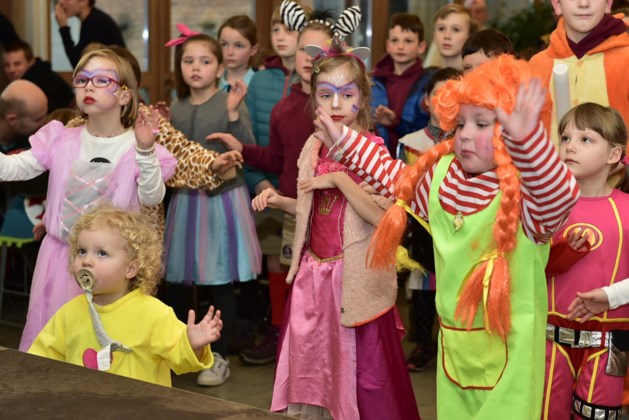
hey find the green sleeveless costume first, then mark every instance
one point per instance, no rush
(479, 376)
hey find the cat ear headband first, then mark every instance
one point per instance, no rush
(185, 32)
(294, 17)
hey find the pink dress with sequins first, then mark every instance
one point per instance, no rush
(352, 372)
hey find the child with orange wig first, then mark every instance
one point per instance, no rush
(494, 195)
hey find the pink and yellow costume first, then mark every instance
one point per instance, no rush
(577, 355)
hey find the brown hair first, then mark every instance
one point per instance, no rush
(245, 27)
(19, 45)
(183, 90)
(605, 121)
(408, 22)
(143, 242)
(126, 79)
(448, 9)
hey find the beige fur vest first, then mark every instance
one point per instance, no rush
(367, 294)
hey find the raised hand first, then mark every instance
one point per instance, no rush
(61, 16)
(226, 161)
(227, 139)
(237, 93)
(207, 331)
(146, 128)
(384, 116)
(320, 182)
(525, 116)
(164, 110)
(326, 129)
(588, 304)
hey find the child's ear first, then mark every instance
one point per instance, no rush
(254, 50)
(219, 71)
(615, 155)
(124, 97)
(422, 47)
(132, 269)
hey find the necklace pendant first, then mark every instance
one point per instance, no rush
(457, 222)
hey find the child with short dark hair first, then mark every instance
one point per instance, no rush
(399, 81)
(115, 255)
(238, 37)
(484, 45)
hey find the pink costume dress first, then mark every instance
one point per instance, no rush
(73, 185)
(576, 375)
(352, 372)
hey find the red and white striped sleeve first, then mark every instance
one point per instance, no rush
(549, 190)
(375, 165)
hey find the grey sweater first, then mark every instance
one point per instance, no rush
(197, 122)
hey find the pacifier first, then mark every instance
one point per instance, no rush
(85, 278)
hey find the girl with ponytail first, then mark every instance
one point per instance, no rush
(494, 194)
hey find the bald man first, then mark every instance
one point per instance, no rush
(23, 107)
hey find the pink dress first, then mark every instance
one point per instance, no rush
(57, 149)
(352, 372)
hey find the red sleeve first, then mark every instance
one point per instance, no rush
(563, 257)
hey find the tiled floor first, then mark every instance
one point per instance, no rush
(253, 385)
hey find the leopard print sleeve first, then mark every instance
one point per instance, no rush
(193, 160)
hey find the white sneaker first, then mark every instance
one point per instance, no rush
(217, 374)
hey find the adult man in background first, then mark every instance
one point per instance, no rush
(19, 63)
(96, 26)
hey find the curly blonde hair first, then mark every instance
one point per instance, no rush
(143, 242)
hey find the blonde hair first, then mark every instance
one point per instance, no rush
(126, 79)
(143, 242)
(451, 8)
(492, 85)
(357, 74)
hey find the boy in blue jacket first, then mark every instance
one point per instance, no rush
(400, 81)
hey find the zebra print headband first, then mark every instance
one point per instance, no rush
(295, 18)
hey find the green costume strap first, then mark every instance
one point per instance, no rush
(479, 375)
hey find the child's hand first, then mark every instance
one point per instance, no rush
(163, 109)
(205, 332)
(326, 129)
(237, 93)
(367, 188)
(226, 161)
(227, 139)
(525, 116)
(384, 116)
(146, 128)
(267, 198)
(39, 230)
(578, 239)
(588, 304)
(320, 182)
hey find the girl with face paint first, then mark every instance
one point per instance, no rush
(112, 158)
(341, 320)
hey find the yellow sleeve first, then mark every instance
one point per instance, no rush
(170, 342)
(51, 342)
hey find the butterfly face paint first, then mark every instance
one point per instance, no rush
(102, 90)
(338, 96)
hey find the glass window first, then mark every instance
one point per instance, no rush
(132, 18)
